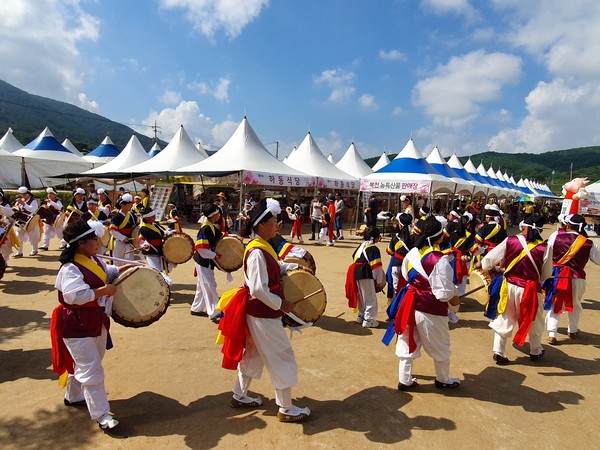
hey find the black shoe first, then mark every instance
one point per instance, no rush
(311, 239)
(43, 248)
(454, 383)
(500, 360)
(78, 404)
(536, 357)
(408, 387)
(199, 313)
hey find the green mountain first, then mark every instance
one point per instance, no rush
(539, 167)
(29, 114)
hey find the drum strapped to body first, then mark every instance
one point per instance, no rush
(60, 219)
(105, 237)
(48, 215)
(307, 294)
(307, 262)
(231, 250)
(178, 248)
(479, 282)
(135, 234)
(32, 222)
(142, 297)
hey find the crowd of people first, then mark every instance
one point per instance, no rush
(431, 257)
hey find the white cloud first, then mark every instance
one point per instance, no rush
(199, 126)
(39, 47)
(565, 36)
(170, 97)
(220, 91)
(331, 143)
(391, 55)
(461, 7)
(453, 94)
(339, 81)
(397, 111)
(559, 117)
(367, 101)
(210, 16)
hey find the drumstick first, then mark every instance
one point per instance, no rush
(484, 286)
(112, 258)
(308, 296)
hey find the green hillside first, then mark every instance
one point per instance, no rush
(539, 167)
(29, 114)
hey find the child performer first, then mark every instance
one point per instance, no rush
(296, 218)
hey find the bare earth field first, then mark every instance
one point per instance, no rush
(167, 388)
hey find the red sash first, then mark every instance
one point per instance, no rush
(564, 291)
(461, 266)
(351, 288)
(234, 329)
(406, 317)
(527, 311)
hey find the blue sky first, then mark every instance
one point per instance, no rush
(503, 75)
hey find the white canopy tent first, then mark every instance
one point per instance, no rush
(438, 163)
(105, 152)
(478, 187)
(10, 170)
(383, 161)
(180, 152)
(46, 158)
(353, 164)
(309, 159)
(484, 174)
(154, 150)
(245, 154)
(69, 146)
(132, 154)
(409, 173)
(491, 189)
(330, 158)
(9, 143)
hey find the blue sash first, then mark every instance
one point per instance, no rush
(549, 286)
(392, 310)
(491, 310)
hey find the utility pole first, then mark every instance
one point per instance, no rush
(571, 175)
(277, 150)
(156, 129)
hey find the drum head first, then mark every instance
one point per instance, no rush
(232, 254)
(308, 262)
(307, 294)
(105, 237)
(59, 220)
(178, 248)
(142, 297)
(480, 278)
(34, 221)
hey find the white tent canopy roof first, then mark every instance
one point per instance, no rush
(105, 152)
(309, 159)
(408, 172)
(242, 152)
(45, 157)
(10, 143)
(69, 146)
(330, 158)
(454, 163)
(132, 154)
(470, 167)
(439, 164)
(10, 170)
(383, 161)
(353, 164)
(180, 152)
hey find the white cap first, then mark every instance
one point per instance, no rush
(101, 191)
(50, 191)
(402, 198)
(79, 191)
(149, 213)
(137, 196)
(23, 190)
(127, 198)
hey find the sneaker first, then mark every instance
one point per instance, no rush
(371, 323)
(573, 335)
(75, 404)
(536, 357)
(341, 238)
(450, 384)
(408, 387)
(293, 414)
(199, 313)
(43, 248)
(500, 360)
(17, 255)
(311, 239)
(330, 244)
(552, 340)
(33, 253)
(360, 319)
(238, 401)
(107, 422)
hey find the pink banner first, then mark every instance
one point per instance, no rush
(409, 187)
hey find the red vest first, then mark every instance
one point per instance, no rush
(76, 321)
(425, 301)
(524, 269)
(254, 306)
(562, 244)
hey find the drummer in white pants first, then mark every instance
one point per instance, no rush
(121, 229)
(79, 340)
(28, 204)
(151, 242)
(206, 298)
(50, 230)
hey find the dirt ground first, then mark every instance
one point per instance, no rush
(167, 388)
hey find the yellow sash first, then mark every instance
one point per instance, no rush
(504, 288)
(263, 245)
(575, 246)
(152, 227)
(91, 265)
